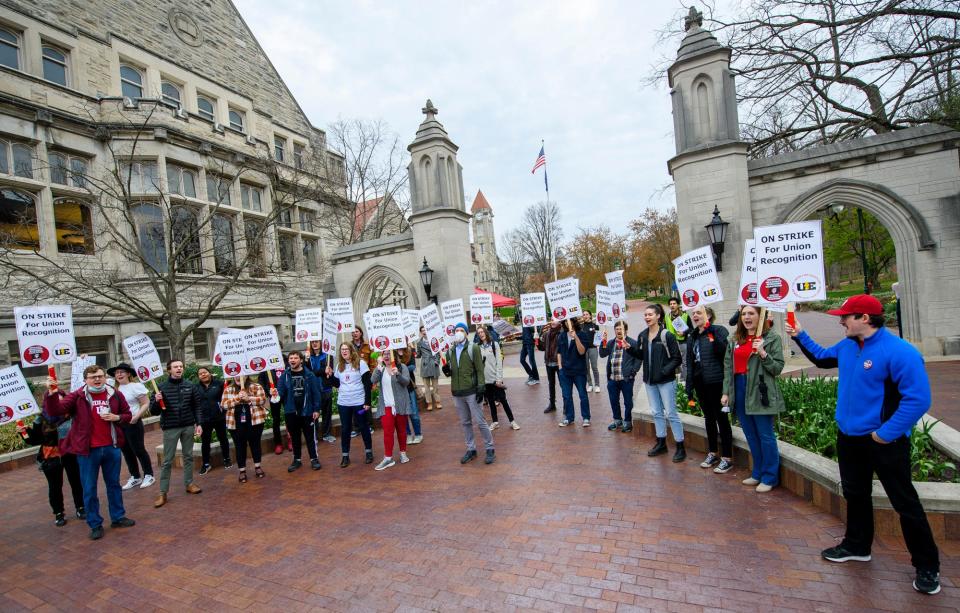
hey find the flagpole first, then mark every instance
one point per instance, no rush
(546, 187)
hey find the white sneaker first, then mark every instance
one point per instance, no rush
(514, 425)
(384, 464)
(596, 388)
(131, 483)
(403, 457)
(586, 423)
(564, 423)
(495, 425)
(148, 480)
(418, 439)
(750, 481)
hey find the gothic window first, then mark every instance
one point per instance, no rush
(279, 146)
(9, 48)
(170, 93)
(310, 256)
(251, 197)
(148, 220)
(236, 120)
(74, 225)
(257, 264)
(224, 256)
(18, 220)
(186, 240)
(205, 108)
(142, 177)
(288, 253)
(181, 181)
(131, 82)
(67, 169)
(218, 189)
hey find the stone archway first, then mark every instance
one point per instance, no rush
(906, 226)
(382, 286)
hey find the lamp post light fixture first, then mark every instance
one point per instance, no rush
(717, 231)
(426, 277)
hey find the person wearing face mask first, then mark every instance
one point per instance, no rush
(622, 368)
(465, 368)
(593, 371)
(95, 438)
(706, 348)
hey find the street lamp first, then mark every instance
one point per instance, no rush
(426, 277)
(717, 231)
(837, 208)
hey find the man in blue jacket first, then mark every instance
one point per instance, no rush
(883, 391)
(300, 391)
(528, 353)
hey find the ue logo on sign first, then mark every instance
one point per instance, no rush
(601, 318)
(232, 369)
(302, 335)
(559, 313)
(258, 364)
(710, 290)
(691, 298)
(6, 414)
(476, 318)
(381, 343)
(36, 354)
(528, 320)
(62, 351)
(773, 289)
(806, 285)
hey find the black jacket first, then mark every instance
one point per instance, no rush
(210, 410)
(184, 403)
(527, 335)
(631, 365)
(660, 368)
(709, 368)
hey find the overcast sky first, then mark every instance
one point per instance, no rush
(504, 75)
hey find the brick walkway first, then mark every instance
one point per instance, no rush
(566, 518)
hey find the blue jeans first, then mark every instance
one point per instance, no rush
(567, 381)
(624, 388)
(663, 399)
(529, 351)
(107, 458)
(758, 430)
(415, 416)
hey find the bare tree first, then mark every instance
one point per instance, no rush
(816, 71)
(152, 252)
(514, 264)
(539, 236)
(377, 201)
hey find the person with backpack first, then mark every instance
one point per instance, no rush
(300, 390)
(465, 368)
(659, 353)
(496, 391)
(47, 431)
(706, 349)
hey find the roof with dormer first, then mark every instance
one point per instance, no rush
(480, 203)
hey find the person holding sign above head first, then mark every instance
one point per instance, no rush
(429, 371)
(179, 404)
(572, 346)
(317, 362)
(496, 391)
(751, 366)
(622, 369)
(246, 405)
(300, 390)
(884, 390)
(393, 406)
(351, 377)
(660, 355)
(133, 449)
(465, 368)
(96, 440)
(706, 349)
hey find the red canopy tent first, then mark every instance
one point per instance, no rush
(498, 300)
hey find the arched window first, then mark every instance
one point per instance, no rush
(205, 108)
(9, 48)
(74, 224)
(224, 256)
(186, 240)
(54, 65)
(170, 93)
(426, 171)
(236, 120)
(148, 219)
(131, 82)
(18, 220)
(705, 130)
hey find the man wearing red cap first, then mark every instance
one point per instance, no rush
(883, 391)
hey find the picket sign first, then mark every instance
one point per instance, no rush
(16, 399)
(231, 353)
(618, 294)
(696, 277)
(342, 311)
(145, 360)
(533, 309)
(433, 326)
(790, 263)
(411, 325)
(452, 312)
(218, 347)
(45, 336)
(748, 275)
(77, 368)
(331, 326)
(385, 328)
(564, 297)
(481, 309)
(309, 325)
(605, 305)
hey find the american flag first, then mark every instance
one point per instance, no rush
(541, 161)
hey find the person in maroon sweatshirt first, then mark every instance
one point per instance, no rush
(95, 437)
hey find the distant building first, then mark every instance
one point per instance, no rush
(486, 268)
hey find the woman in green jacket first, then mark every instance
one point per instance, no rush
(751, 367)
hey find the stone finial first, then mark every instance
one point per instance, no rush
(430, 110)
(693, 18)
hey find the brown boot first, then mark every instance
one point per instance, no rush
(193, 488)
(160, 500)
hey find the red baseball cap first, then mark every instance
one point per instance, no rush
(860, 304)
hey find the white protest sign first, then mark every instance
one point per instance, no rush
(605, 306)
(331, 328)
(433, 326)
(262, 349)
(309, 325)
(385, 328)
(411, 325)
(564, 297)
(217, 348)
(697, 279)
(452, 312)
(680, 325)
(481, 309)
(533, 309)
(76, 370)
(618, 294)
(790, 263)
(231, 352)
(143, 357)
(16, 399)
(342, 311)
(45, 334)
(748, 275)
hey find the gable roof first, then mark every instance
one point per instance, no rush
(480, 203)
(364, 213)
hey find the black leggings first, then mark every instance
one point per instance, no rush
(209, 427)
(715, 420)
(276, 413)
(133, 450)
(53, 470)
(496, 393)
(297, 424)
(244, 435)
(347, 417)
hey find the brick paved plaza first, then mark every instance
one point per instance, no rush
(566, 519)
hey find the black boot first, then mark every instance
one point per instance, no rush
(660, 447)
(681, 453)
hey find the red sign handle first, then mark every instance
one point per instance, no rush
(52, 373)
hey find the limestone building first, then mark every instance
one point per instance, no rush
(178, 99)
(486, 263)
